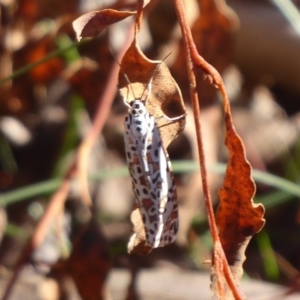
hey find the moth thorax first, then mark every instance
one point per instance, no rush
(139, 128)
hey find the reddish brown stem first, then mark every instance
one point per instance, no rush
(139, 16)
(102, 112)
(194, 59)
(196, 110)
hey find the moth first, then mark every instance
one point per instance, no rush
(151, 172)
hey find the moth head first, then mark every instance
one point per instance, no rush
(138, 107)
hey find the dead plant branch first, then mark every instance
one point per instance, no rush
(195, 60)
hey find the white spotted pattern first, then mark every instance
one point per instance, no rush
(151, 173)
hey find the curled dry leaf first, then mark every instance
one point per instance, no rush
(165, 100)
(92, 23)
(137, 242)
(238, 218)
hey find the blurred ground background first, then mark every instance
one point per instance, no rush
(46, 112)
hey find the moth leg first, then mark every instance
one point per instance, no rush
(170, 120)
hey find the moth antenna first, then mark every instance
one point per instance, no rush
(149, 85)
(125, 76)
(129, 84)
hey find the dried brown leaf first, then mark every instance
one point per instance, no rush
(238, 218)
(137, 243)
(165, 98)
(92, 23)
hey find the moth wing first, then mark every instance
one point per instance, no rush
(166, 201)
(153, 183)
(136, 154)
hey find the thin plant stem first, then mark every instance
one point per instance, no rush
(197, 120)
(102, 113)
(193, 56)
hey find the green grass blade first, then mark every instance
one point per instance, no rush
(29, 191)
(287, 189)
(267, 253)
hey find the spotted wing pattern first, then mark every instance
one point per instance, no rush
(152, 178)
